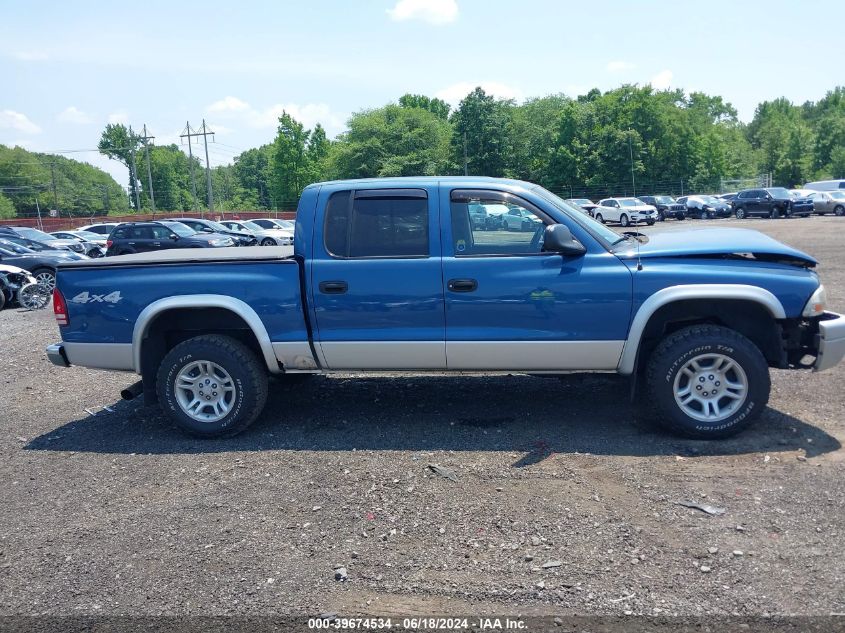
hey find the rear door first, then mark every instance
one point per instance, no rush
(140, 238)
(375, 279)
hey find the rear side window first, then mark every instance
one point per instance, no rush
(118, 234)
(377, 223)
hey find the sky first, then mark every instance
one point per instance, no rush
(69, 68)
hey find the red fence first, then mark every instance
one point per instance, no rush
(59, 224)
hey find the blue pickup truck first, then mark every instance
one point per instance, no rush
(394, 275)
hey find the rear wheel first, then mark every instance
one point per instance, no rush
(624, 221)
(774, 214)
(45, 277)
(705, 215)
(708, 382)
(212, 386)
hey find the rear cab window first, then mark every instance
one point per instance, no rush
(377, 223)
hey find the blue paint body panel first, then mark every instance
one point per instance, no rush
(537, 297)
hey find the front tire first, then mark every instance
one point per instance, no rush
(212, 386)
(268, 241)
(599, 218)
(705, 215)
(708, 382)
(740, 213)
(839, 211)
(624, 221)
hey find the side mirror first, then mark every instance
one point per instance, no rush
(174, 237)
(207, 229)
(558, 239)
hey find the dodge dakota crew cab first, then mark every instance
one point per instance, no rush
(393, 274)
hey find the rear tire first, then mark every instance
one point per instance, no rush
(233, 373)
(705, 215)
(707, 382)
(45, 277)
(774, 214)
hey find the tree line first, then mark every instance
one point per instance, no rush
(598, 142)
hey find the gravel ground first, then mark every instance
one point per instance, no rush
(559, 502)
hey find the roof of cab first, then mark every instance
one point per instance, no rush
(409, 181)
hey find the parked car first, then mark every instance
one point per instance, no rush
(265, 237)
(94, 243)
(19, 286)
(45, 238)
(772, 202)
(412, 286)
(519, 219)
(584, 203)
(42, 265)
(39, 247)
(801, 193)
(704, 207)
(826, 185)
(626, 211)
(667, 207)
(240, 238)
(828, 202)
(142, 237)
(103, 228)
(727, 197)
(280, 225)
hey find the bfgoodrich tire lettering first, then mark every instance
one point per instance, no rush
(240, 363)
(674, 354)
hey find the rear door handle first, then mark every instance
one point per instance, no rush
(333, 287)
(462, 285)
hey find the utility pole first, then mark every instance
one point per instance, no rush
(146, 138)
(189, 133)
(133, 172)
(208, 168)
(106, 200)
(38, 209)
(204, 134)
(631, 152)
(55, 195)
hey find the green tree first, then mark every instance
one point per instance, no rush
(317, 153)
(118, 143)
(252, 169)
(290, 167)
(7, 208)
(434, 105)
(482, 133)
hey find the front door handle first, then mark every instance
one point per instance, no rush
(462, 285)
(333, 287)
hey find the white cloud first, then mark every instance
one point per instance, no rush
(229, 104)
(618, 66)
(118, 117)
(9, 119)
(30, 56)
(309, 114)
(431, 11)
(72, 114)
(662, 80)
(454, 93)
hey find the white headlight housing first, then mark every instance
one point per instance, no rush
(816, 304)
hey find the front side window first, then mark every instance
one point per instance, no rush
(161, 233)
(377, 223)
(518, 231)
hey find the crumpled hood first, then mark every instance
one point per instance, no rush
(717, 241)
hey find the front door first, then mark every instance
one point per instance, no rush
(376, 284)
(511, 306)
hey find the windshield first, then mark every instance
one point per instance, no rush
(779, 192)
(89, 235)
(252, 226)
(581, 201)
(285, 224)
(664, 199)
(630, 202)
(597, 229)
(34, 234)
(217, 226)
(712, 200)
(10, 248)
(180, 229)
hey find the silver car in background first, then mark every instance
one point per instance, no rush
(266, 236)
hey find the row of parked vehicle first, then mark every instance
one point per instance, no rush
(38, 253)
(769, 202)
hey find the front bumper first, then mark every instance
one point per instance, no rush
(56, 354)
(831, 341)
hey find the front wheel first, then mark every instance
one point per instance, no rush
(650, 222)
(268, 241)
(708, 382)
(705, 215)
(624, 221)
(212, 386)
(34, 296)
(599, 218)
(740, 213)
(839, 210)
(774, 214)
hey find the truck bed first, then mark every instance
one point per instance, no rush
(189, 255)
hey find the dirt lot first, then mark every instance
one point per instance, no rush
(563, 503)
